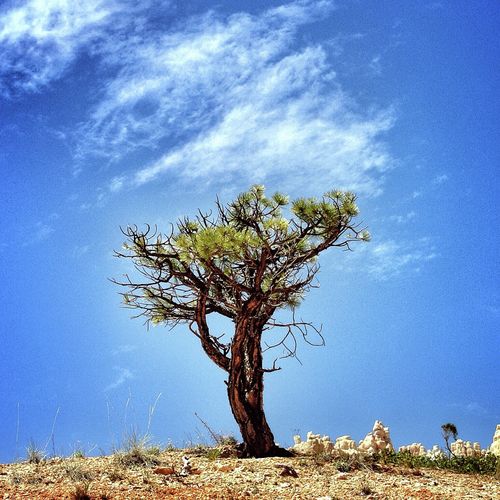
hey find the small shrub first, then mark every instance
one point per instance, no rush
(77, 474)
(226, 440)
(213, 454)
(81, 492)
(170, 446)
(137, 451)
(78, 454)
(365, 488)
(343, 466)
(322, 458)
(34, 454)
(485, 464)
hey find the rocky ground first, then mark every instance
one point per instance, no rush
(212, 477)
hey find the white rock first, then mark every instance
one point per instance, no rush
(345, 447)
(377, 440)
(313, 445)
(462, 448)
(435, 452)
(495, 446)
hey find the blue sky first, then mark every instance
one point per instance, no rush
(123, 112)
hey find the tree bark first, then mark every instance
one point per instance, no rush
(246, 389)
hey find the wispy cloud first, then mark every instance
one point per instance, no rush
(440, 179)
(123, 374)
(402, 219)
(40, 232)
(389, 259)
(232, 97)
(471, 407)
(226, 97)
(40, 38)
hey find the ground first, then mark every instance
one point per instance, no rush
(213, 477)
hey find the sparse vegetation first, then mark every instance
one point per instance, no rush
(486, 464)
(365, 488)
(34, 454)
(82, 492)
(137, 451)
(77, 473)
(392, 476)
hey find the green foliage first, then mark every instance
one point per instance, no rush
(213, 454)
(256, 245)
(485, 464)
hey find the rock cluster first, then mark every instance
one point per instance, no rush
(435, 452)
(462, 448)
(377, 440)
(313, 445)
(495, 446)
(345, 446)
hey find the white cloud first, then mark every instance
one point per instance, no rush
(232, 98)
(40, 232)
(402, 219)
(40, 38)
(440, 179)
(123, 375)
(388, 259)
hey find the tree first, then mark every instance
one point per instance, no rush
(244, 261)
(448, 430)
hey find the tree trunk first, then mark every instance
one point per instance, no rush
(246, 388)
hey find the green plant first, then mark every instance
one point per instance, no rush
(322, 458)
(343, 465)
(78, 454)
(484, 464)
(213, 454)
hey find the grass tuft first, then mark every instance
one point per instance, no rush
(137, 451)
(34, 454)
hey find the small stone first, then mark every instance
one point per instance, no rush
(165, 471)
(287, 470)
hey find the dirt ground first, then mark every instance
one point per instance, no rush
(232, 478)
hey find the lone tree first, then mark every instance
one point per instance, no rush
(244, 261)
